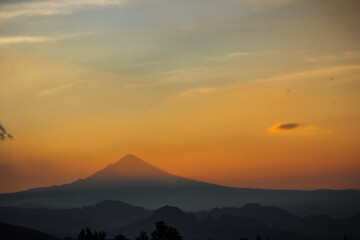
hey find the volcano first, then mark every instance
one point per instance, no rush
(129, 171)
(134, 181)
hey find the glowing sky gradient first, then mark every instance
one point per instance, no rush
(261, 93)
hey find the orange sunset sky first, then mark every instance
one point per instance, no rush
(246, 93)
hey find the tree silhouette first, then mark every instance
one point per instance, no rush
(143, 236)
(102, 235)
(173, 234)
(164, 232)
(121, 237)
(159, 232)
(87, 234)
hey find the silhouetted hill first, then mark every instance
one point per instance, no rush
(234, 227)
(115, 213)
(137, 182)
(267, 214)
(320, 226)
(219, 223)
(11, 232)
(105, 215)
(171, 215)
(223, 227)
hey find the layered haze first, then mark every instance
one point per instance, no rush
(260, 94)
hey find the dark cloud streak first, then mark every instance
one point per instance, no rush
(284, 127)
(287, 126)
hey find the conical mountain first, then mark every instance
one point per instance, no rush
(129, 170)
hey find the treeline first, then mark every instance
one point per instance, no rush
(161, 232)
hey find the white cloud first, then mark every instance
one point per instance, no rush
(22, 39)
(52, 7)
(38, 39)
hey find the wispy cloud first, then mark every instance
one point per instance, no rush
(60, 88)
(238, 55)
(58, 7)
(22, 39)
(52, 7)
(38, 39)
(230, 56)
(314, 74)
(194, 92)
(334, 57)
(341, 74)
(4, 134)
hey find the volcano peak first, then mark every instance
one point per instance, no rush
(130, 168)
(130, 159)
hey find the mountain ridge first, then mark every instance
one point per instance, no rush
(104, 215)
(134, 181)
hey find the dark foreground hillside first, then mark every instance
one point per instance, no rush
(11, 232)
(248, 221)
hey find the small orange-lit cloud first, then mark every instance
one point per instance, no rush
(310, 128)
(283, 127)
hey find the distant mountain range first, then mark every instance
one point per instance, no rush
(107, 215)
(134, 181)
(230, 227)
(220, 223)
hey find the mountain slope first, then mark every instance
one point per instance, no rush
(223, 227)
(317, 226)
(224, 223)
(11, 232)
(268, 214)
(249, 221)
(137, 182)
(130, 180)
(173, 216)
(68, 222)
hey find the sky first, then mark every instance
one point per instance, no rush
(245, 93)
